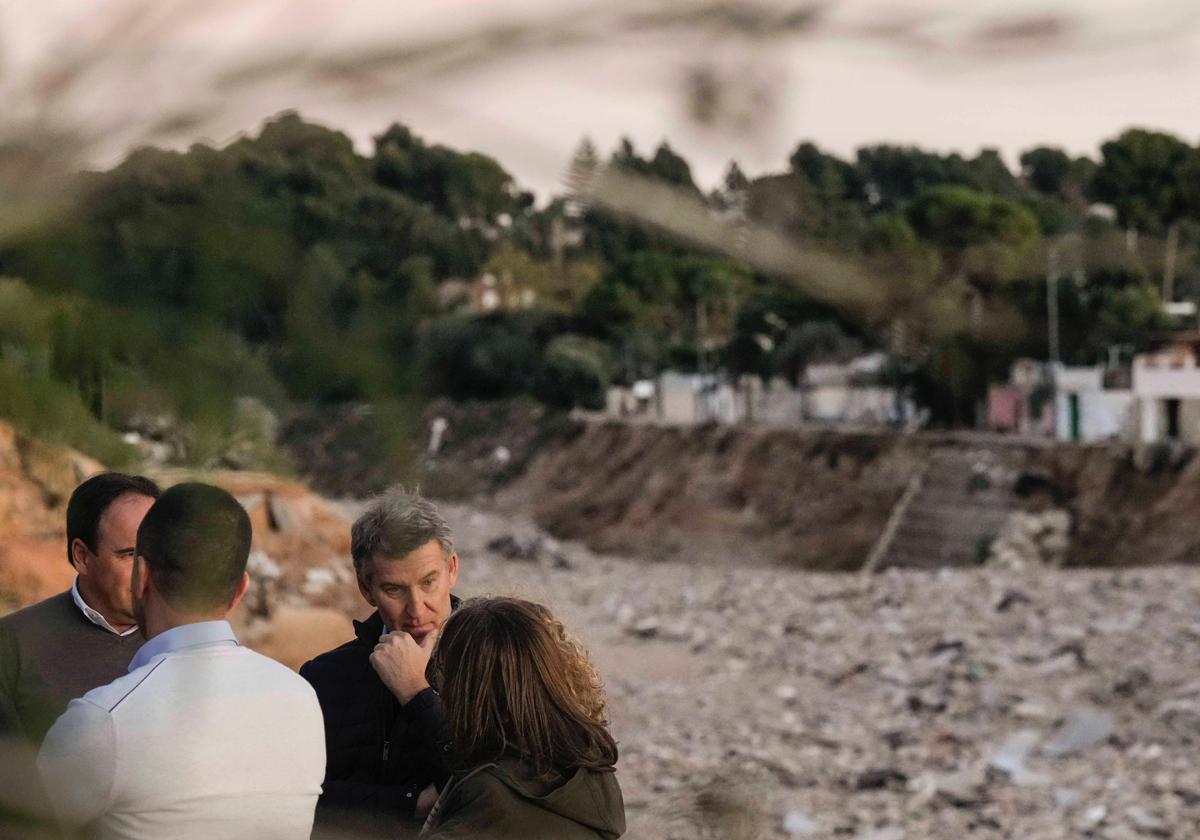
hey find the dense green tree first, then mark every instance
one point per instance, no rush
(1142, 174)
(1053, 173)
(1139, 175)
(466, 186)
(288, 267)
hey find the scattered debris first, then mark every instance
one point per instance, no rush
(1081, 731)
(1032, 539)
(1013, 754)
(880, 777)
(799, 824)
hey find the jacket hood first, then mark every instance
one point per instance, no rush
(589, 797)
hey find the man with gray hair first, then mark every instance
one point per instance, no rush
(387, 747)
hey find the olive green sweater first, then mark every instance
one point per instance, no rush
(49, 655)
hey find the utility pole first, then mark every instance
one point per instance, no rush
(1052, 328)
(1052, 340)
(702, 360)
(1168, 284)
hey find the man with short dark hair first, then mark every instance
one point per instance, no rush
(385, 729)
(202, 738)
(59, 649)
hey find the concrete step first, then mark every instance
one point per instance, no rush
(955, 520)
(947, 522)
(948, 495)
(964, 510)
(912, 558)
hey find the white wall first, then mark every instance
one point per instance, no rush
(1079, 379)
(852, 405)
(1166, 383)
(1103, 415)
(677, 396)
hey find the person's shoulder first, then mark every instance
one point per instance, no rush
(477, 787)
(38, 614)
(272, 670)
(333, 664)
(111, 696)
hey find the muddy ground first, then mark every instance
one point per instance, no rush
(752, 701)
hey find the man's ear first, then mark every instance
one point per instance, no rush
(453, 569)
(79, 555)
(139, 578)
(241, 591)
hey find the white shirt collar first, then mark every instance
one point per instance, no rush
(91, 615)
(184, 636)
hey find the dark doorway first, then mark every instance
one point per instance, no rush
(1173, 419)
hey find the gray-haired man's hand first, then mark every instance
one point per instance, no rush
(400, 662)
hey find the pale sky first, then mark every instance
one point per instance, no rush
(868, 71)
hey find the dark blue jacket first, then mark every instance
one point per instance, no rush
(379, 755)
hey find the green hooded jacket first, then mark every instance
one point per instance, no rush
(505, 801)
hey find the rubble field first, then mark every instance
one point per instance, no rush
(753, 701)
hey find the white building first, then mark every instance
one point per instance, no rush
(1166, 385)
(1087, 411)
(849, 394)
(852, 393)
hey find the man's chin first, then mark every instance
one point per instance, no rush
(418, 633)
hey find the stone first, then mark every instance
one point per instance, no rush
(511, 548)
(318, 582)
(878, 778)
(1147, 823)
(646, 628)
(280, 513)
(1012, 756)
(799, 824)
(259, 565)
(1093, 817)
(892, 832)
(1082, 730)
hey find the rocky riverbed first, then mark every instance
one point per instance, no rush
(750, 701)
(757, 702)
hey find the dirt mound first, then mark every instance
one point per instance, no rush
(820, 500)
(816, 501)
(1130, 506)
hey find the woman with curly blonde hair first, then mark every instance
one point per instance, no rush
(525, 710)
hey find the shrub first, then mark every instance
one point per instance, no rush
(575, 371)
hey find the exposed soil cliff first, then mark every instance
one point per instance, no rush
(819, 500)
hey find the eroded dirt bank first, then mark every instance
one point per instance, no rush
(819, 500)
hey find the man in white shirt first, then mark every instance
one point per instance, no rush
(202, 738)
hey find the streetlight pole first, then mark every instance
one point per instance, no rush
(1052, 339)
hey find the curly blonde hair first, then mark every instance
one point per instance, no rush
(516, 683)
